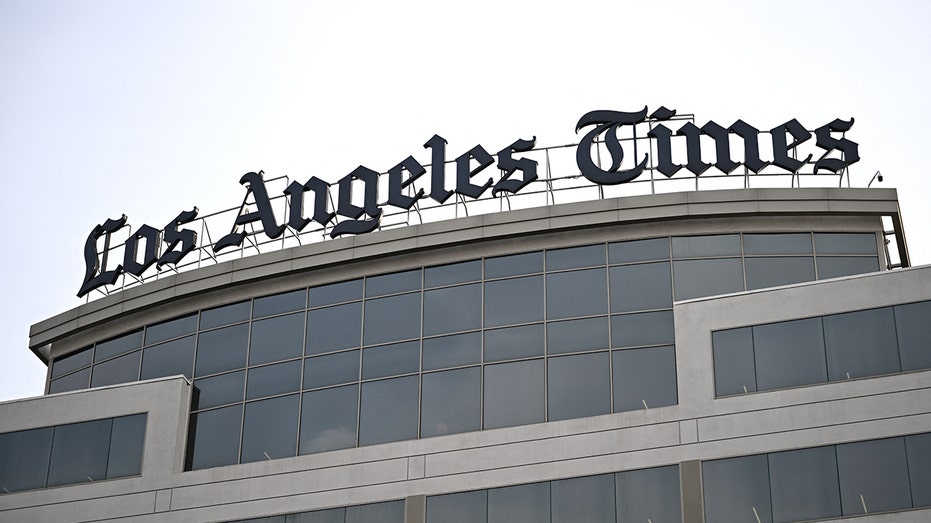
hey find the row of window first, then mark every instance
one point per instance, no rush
(386, 512)
(827, 348)
(73, 453)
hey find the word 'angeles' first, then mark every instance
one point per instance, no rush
(359, 220)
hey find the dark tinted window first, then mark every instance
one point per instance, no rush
(734, 371)
(514, 342)
(79, 452)
(514, 265)
(118, 370)
(575, 257)
(804, 484)
(120, 345)
(335, 293)
(389, 410)
(649, 495)
(73, 361)
(25, 457)
(913, 330)
(861, 343)
(452, 309)
(279, 303)
(332, 369)
(271, 380)
(641, 287)
(127, 442)
(452, 274)
(76, 381)
(789, 354)
(837, 266)
(514, 394)
(452, 351)
(772, 272)
(873, 476)
(278, 338)
(392, 319)
(589, 499)
(699, 278)
(639, 250)
(577, 335)
(520, 503)
(644, 378)
(214, 438)
(576, 293)
(170, 329)
(845, 243)
(464, 507)
(393, 283)
(702, 246)
(645, 328)
(334, 328)
(169, 359)
(218, 390)
(225, 315)
(270, 429)
(387, 512)
(519, 300)
(918, 451)
(451, 402)
(578, 386)
(221, 349)
(737, 490)
(391, 360)
(755, 244)
(328, 419)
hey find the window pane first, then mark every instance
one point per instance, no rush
(514, 394)
(279, 303)
(270, 429)
(514, 265)
(777, 244)
(464, 507)
(170, 329)
(221, 349)
(25, 457)
(649, 495)
(519, 504)
(576, 293)
(333, 369)
(391, 360)
(861, 343)
(645, 328)
(452, 309)
(734, 371)
(913, 329)
(386, 512)
(392, 319)
(271, 380)
(334, 328)
(126, 446)
(215, 437)
(453, 273)
(789, 354)
(276, 339)
(451, 402)
(577, 335)
(702, 246)
(77, 381)
(519, 300)
(804, 484)
(873, 476)
(639, 250)
(575, 257)
(218, 390)
(578, 386)
(118, 370)
(333, 515)
(328, 419)
(225, 315)
(699, 278)
(641, 287)
(845, 243)
(772, 272)
(169, 359)
(120, 345)
(393, 283)
(736, 490)
(918, 450)
(452, 351)
(644, 378)
(514, 342)
(837, 266)
(336, 293)
(389, 410)
(79, 452)
(589, 499)
(75, 360)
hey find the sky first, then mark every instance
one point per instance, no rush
(151, 108)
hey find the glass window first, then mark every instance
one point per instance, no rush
(575, 257)
(521, 503)
(704, 246)
(214, 438)
(386, 512)
(335, 293)
(221, 349)
(577, 335)
(25, 456)
(391, 360)
(79, 380)
(639, 250)
(392, 319)
(328, 419)
(514, 342)
(334, 328)
(464, 507)
(393, 283)
(578, 386)
(279, 303)
(804, 484)
(332, 369)
(913, 329)
(736, 490)
(126, 446)
(271, 380)
(452, 351)
(121, 345)
(789, 354)
(225, 315)
(649, 495)
(389, 410)
(734, 367)
(845, 243)
(73, 361)
(576, 293)
(589, 499)
(514, 265)
(773, 272)
(170, 329)
(453, 273)
(218, 390)
(873, 476)
(519, 300)
(269, 429)
(451, 402)
(79, 452)
(641, 287)
(700, 278)
(452, 309)
(118, 370)
(333, 515)
(918, 451)
(645, 328)
(756, 244)
(277, 338)
(644, 378)
(861, 343)
(514, 394)
(169, 359)
(837, 266)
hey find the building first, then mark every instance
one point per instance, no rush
(717, 356)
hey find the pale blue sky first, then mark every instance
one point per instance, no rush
(150, 108)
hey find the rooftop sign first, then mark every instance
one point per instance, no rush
(616, 132)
